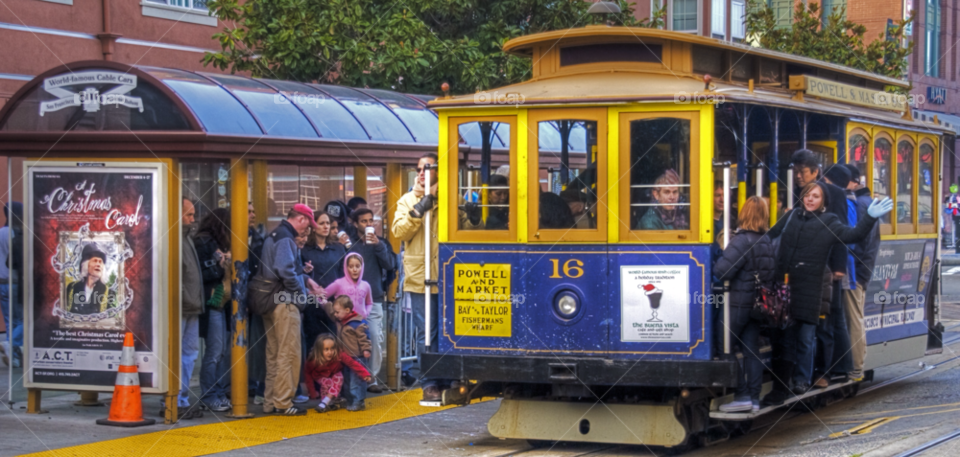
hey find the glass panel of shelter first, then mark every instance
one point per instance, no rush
(659, 171)
(315, 186)
(567, 174)
(484, 176)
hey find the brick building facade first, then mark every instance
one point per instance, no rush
(38, 35)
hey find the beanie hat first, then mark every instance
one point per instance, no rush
(838, 175)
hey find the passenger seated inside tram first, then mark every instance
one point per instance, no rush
(666, 215)
(577, 200)
(498, 217)
(554, 212)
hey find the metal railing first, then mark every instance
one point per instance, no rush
(405, 332)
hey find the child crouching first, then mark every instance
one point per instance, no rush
(352, 336)
(324, 370)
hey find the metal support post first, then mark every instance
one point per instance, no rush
(239, 251)
(726, 241)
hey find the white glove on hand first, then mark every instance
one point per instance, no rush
(880, 207)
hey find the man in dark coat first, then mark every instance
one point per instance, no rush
(89, 294)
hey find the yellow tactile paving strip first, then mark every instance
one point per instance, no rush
(239, 434)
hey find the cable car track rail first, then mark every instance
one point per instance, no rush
(931, 444)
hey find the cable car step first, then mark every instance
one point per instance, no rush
(744, 416)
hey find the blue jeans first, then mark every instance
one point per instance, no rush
(215, 370)
(806, 346)
(15, 331)
(190, 349)
(354, 388)
(745, 332)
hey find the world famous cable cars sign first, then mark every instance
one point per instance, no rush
(92, 269)
(84, 89)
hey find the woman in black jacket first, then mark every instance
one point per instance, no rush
(807, 234)
(213, 249)
(749, 257)
(325, 255)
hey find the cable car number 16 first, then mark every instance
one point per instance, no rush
(571, 269)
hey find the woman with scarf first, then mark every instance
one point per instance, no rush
(667, 215)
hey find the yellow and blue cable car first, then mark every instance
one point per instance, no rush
(582, 273)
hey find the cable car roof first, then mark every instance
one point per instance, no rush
(527, 46)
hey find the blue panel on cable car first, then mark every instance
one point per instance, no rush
(660, 301)
(509, 299)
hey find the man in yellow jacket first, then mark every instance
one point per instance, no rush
(408, 227)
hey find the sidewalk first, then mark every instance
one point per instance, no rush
(22, 433)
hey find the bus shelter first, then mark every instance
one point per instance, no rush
(101, 155)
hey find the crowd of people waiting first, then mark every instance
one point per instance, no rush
(319, 334)
(824, 250)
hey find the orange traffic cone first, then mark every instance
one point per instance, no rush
(125, 409)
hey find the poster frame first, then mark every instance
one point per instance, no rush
(160, 263)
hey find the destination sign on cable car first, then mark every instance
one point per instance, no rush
(484, 305)
(846, 93)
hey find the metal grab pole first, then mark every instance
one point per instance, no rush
(790, 187)
(726, 241)
(759, 182)
(426, 252)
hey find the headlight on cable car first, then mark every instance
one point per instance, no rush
(567, 304)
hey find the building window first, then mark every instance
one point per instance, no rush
(827, 7)
(738, 16)
(718, 19)
(684, 15)
(191, 4)
(931, 43)
(192, 11)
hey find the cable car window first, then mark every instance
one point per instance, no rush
(881, 172)
(660, 174)
(904, 200)
(860, 153)
(484, 176)
(567, 174)
(925, 186)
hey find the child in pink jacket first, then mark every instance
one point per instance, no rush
(352, 286)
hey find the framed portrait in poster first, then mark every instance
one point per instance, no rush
(94, 258)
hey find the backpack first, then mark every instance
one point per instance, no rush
(261, 291)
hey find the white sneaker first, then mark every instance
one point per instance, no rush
(756, 406)
(258, 400)
(741, 406)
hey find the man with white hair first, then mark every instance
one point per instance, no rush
(89, 294)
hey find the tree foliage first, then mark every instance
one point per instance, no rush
(405, 45)
(836, 40)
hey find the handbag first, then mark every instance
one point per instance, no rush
(771, 306)
(262, 293)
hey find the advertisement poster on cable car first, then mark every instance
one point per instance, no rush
(655, 306)
(93, 267)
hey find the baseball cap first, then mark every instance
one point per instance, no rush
(306, 211)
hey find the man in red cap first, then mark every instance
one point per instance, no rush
(278, 263)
